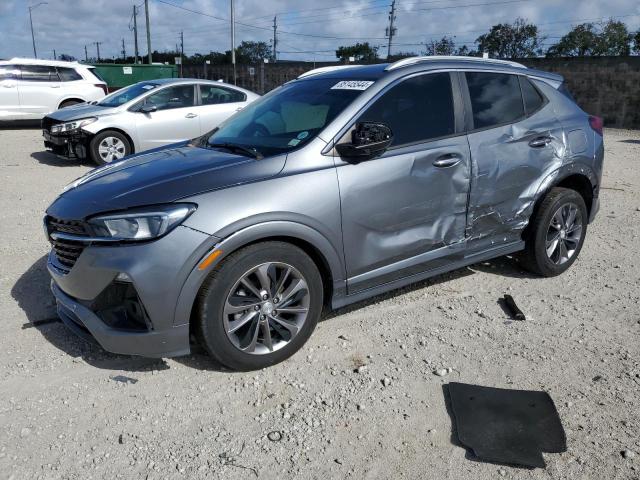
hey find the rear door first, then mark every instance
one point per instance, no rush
(9, 97)
(176, 118)
(405, 210)
(40, 90)
(516, 142)
(218, 103)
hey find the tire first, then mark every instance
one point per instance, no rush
(219, 315)
(68, 103)
(108, 146)
(551, 221)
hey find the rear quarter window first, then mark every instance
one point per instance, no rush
(533, 99)
(496, 99)
(68, 74)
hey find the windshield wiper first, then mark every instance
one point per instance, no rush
(248, 151)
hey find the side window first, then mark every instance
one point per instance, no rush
(39, 73)
(417, 110)
(179, 96)
(533, 100)
(8, 72)
(68, 74)
(495, 98)
(212, 95)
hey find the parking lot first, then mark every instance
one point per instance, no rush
(361, 399)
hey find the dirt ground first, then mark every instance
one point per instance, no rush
(71, 410)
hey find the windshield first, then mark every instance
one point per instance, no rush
(126, 94)
(286, 118)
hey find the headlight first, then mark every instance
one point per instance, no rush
(142, 224)
(71, 126)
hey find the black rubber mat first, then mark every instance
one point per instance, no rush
(506, 426)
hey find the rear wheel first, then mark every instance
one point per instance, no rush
(109, 146)
(259, 306)
(557, 234)
(68, 103)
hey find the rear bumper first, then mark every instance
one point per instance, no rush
(87, 325)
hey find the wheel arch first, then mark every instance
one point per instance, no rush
(70, 98)
(313, 243)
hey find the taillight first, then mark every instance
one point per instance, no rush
(103, 87)
(596, 124)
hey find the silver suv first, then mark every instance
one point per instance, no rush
(338, 186)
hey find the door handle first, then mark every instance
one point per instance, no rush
(447, 160)
(54, 86)
(190, 115)
(540, 142)
(239, 108)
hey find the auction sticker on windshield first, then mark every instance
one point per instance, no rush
(352, 85)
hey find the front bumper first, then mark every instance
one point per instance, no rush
(171, 342)
(89, 303)
(73, 145)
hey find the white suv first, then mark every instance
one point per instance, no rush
(29, 89)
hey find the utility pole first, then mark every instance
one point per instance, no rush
(391, 30)
(55, 57)
(275, 38)
(97, 44)
(233, 42)
(124, 52)
(146, 12)
(181, 52)
(86, 55)
(33, 38)
(135, 33)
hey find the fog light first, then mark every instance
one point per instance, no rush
(123, 277)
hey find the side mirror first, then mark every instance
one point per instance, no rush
(148, 108)
(368, 140)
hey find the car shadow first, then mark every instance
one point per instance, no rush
(34, 297)
(48, 158)
(632, 141)
(20, 125)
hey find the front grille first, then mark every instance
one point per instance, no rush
(67, 251)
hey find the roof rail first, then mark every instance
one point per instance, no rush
(316, 71)
(414, 60)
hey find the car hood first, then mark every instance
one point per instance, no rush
(81, 110)
(159, 176)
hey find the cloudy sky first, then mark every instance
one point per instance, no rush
(307, 29)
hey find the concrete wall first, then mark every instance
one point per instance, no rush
(605, 86)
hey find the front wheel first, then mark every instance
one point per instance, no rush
(558, 230)
(109, 146)
(259, 306)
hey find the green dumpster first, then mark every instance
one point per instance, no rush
(118, 75)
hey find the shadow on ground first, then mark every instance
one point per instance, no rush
(20, 125)
(33, 294)
(48, 158)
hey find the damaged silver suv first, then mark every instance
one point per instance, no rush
(340, 185)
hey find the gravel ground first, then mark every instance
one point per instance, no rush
(360, 400)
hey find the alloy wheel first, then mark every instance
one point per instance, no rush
(564, 233)
(111, 148)
(266, 308)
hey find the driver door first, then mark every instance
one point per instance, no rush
(176, 117)
(404, 211)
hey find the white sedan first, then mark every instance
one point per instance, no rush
(142, 116)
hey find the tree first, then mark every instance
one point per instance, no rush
(65, 57)
(579, 42)
(636, 43)
(361, 52)
(252, 52)
(613, 40)
(516, 40)
(444, 46)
